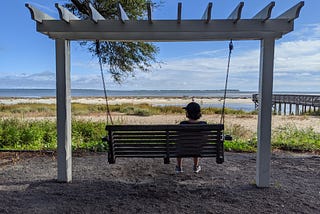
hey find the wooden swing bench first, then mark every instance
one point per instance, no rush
(165, 141)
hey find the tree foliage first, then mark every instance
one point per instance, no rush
(123, 58)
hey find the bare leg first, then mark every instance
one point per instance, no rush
(196, 161)
(179, 162)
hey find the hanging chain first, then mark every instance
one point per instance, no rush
(103, 82)
(226, 84)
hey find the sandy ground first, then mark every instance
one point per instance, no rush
(134, 100)
(28, 185)
(248, 122)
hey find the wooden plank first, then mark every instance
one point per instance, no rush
(292, 13)
(149, 10)
(179, 13)
(141, 156)
(65, 14)
(161, 155)
(122, 14)
(94, 14)
(194, 139)
(142, 133)
(265, 13)
(207, 145)
(236, 13)
(37, 15)
(207, 13)
(171, 128)
(159, 141)
(137, 137)
(166, 30)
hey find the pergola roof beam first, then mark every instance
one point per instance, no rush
(37, 15)
(65, 14)
(122, 14)
(265, 13)
(236, 13)
(94, 14)
(149, 10)
(207, 13)
(179, 12)
(165, 30)
(234, 27)
(292, 13)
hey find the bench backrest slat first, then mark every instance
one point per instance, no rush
(165, 141)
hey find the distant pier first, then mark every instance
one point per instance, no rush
(289, 104)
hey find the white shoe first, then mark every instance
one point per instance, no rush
(197, 169)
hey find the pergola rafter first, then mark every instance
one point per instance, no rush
(204, 29)
(260, 27)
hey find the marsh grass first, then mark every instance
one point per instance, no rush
(143, 109)
(41, 134)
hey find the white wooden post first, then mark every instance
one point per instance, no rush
(265, 112)
(63, 110)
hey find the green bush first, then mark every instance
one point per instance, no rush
(293, 139)
(42, 135)
(88, 135)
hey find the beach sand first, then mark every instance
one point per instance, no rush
(248, 122)
(133, 100)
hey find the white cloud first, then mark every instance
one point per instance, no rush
(297, 67)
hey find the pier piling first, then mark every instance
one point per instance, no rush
(301, 103)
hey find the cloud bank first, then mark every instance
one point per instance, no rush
(296, 68)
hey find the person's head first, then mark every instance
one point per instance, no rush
(193, 111)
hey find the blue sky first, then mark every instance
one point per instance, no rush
(27, 58)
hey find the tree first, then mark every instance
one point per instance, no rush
(123, 58)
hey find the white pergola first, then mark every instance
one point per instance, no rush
(260, 27)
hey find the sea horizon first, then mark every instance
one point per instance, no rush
(41, 93)
(96, 93)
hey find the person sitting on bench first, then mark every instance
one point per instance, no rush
(193, 113)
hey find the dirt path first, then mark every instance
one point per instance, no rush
(28, 185)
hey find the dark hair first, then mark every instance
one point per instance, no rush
(193, 111)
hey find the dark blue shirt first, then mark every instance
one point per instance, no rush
(188, 122)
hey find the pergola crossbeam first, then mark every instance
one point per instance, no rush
(207, 13)
(265, 13)
(65, 14)
(165, 30)
(236, 13)
(292, 13)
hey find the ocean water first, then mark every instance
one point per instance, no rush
(42, 93)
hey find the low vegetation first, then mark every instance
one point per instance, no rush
(144, 109)
(19, 134)
(41, 135)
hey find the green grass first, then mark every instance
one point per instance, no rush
(243, 140)
(144, 109)
(41, 135)
(293, 139)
